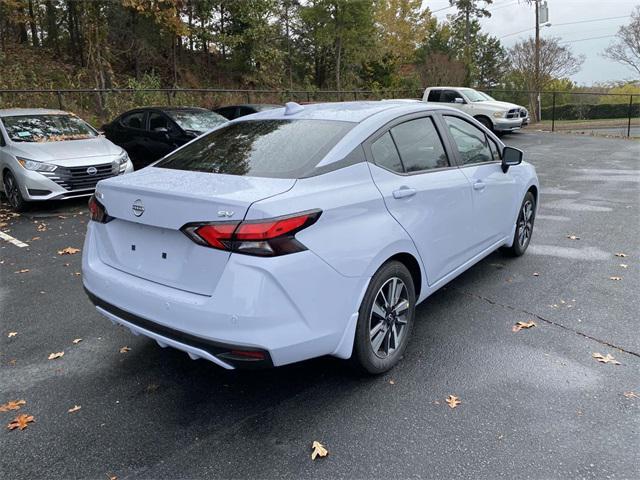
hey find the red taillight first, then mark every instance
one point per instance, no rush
(97, 212)
(217, 235)
(266, 238)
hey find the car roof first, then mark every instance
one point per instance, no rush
(250, 105)
(341, 111)
(453, 88)
(10, 112)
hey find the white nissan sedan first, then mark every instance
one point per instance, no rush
(305, 231)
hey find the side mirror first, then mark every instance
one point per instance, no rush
(459, 100)
(511, 157)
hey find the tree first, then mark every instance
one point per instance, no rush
(491, 62)
(469, 10)
(556, 61)
(626, 49)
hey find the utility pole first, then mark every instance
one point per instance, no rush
(537, 61)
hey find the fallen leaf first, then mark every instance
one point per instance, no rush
(615, 278)
(53, 356)
(318, 450)
(21, 422)
(623, 265)
(631, 395)
(77, 274)
(453, 401)
(620, 254)
(125, 349)
(75, 408)
(76, 340)
(608, 358)
(573, 237)
(523, 325)
(111, 477)
(35, 238)
(24, 270)
(12, 334)
(41, 227)
(68, 251)
(12, 405)
(392, 382)
(536, 274)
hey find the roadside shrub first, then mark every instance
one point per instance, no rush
(591, 111)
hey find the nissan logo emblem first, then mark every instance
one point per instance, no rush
(138, 208)
(92, 170)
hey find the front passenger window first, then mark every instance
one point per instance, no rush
(471, 141)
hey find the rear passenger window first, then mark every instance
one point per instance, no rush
(419, 145)
(133, 120)
(385, 153)
(472, 143)
(434, 96)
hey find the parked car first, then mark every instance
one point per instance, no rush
(499, 117)
(148, 134)
(52, 155)
(305, 231)
(231, 112)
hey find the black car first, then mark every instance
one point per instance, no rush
(235, 111)
(148, 134)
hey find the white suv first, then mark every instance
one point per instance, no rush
(495, 115)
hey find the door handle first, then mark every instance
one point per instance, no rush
(404, 192)
(479, 185)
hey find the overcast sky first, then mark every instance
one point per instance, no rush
(510, 16)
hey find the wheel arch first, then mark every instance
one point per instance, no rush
(412, 264)
(483, 116)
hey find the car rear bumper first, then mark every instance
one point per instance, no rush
(293, 307)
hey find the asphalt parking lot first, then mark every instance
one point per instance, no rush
(535, 403)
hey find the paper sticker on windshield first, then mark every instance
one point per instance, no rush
(24, 134)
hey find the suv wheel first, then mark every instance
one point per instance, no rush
(386, 319)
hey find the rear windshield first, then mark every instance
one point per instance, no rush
(47, 128)
(196, 120)
(260, 148)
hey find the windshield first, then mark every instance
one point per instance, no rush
(47, 128)
(198, 120)
(474, 96)
(487, 96)
(260, 148)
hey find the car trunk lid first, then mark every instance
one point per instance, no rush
(149, 208)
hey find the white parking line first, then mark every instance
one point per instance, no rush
(10, 239)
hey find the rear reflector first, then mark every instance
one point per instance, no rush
(266, 238)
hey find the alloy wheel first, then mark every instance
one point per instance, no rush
(11, 190)
(525, 223)
(388, 319)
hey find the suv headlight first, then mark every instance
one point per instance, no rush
(123, 158)
(36, 166)
(500, 114)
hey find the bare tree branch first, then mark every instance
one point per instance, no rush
(626, 49)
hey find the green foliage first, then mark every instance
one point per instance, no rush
(591, 111)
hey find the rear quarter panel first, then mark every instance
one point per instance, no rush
(355, 233)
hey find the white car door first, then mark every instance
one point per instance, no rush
(424, 191)
(493, 190)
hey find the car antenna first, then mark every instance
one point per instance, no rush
(291, 108)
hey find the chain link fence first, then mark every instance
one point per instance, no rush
(576, 112)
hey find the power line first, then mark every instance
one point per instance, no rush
(585, 39)
(590, 21)
(568, 23)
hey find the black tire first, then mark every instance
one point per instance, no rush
(12, 192)
(524, 226)
(395, 334)
(486, 122)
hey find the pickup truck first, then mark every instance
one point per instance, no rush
(499, 117)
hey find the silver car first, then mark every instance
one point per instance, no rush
(53, 155)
